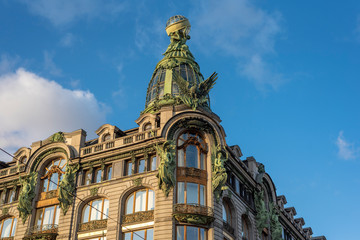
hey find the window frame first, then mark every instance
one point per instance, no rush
(89, 205)
(11, 234)
(51, 169)
(185, 232)
(138, 230)
(190, 140)
(56, 207)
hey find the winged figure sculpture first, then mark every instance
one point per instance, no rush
(196, 95)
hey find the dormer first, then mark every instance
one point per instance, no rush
(308, 232)
(108, 132)
(300, 222)
(147, 122)
(281, 201)
(291, 213)
(22, 155)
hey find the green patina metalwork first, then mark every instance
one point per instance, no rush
(67, 187)
(45, 154)
(275, 226)
(219, 176)
(27, 194)
(196, 95)
(193, 218)
(262, 216)
(166, 170)
(137, 181)
(94, 191)
(57, 137)
(5, 211)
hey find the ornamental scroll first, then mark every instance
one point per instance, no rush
(219, 175)
(166, 178)
(27, 194)
(67, 187)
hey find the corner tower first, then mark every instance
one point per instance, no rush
(177, 78)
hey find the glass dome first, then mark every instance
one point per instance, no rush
(175, 19)
(162, 77)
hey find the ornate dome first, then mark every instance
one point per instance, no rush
(178, 62)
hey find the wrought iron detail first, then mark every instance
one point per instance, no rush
(93, 225)
(138, 217)
(193, 213)
(7, 238)
(228, 228)
(46, 228)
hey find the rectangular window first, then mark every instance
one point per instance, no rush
(140, 166)
(237, 186)
(128, 168)
(98, 175)
(47, 217)
(87, 177)
(190, 233)
(191, 193)
(108, 172)
(152, 163)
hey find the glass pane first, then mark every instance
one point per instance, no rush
(54, 181)
(95, 211)
(224, 215)
(181, 158)
(127, 236)
(237, 186)
(128, 168)
(151, 200)
(150, 234)
(57, 215)
(56, 163)
(13, 228)
(106, 209)
(202, 234)
(62, 164)
(49, 215)
(141, 167)
(98, 175)
(87, 177)
(109, 173)
(180, 192)
(192, 193)
(153, 164)
(180, 233)
(39, 217)
(86, 214)
(6, 228)
(202, 195)
(140, 201)
(202, 161)
(11, 196)
(191, 156)
(139, 235)
(192, 233)
(130, 204)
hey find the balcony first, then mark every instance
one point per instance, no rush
(193, 213)
(46, 231)
(93, 225)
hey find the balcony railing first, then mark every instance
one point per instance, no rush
(138, 217)
(93, 225)
(45, 228)
(193, 213)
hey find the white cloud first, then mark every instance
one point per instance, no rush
(62, 12)
(242, 30)
(49, 64)
(33, 108)
(346, 150)
(67, 40)
(7, 63)
(261, 74)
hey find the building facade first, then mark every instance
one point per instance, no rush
(172, 177)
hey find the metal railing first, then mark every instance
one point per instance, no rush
(45, 228)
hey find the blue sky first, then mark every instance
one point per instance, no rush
(288, 87)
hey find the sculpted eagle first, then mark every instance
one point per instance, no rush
(196, 95)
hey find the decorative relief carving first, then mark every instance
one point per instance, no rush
(4, 211)
(138, 217)
(137, 181)
(93, 225)
(36, 232)
(67, 187)
(166, 178)
(27, 194)
(48, 195)
(193, 213)
(94, 191)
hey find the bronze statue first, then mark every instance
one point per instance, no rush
(167, 166)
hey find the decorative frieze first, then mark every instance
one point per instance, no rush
(193, 213)
(93, 225)
(138, 217)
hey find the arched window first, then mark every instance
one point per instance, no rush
(191, 150)
(7, 227)
(140, 203)
(107, 137)
(97, 209)
(226, 213)
(141, 200)
(147, 127)
(53, 172)
(245, 228)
